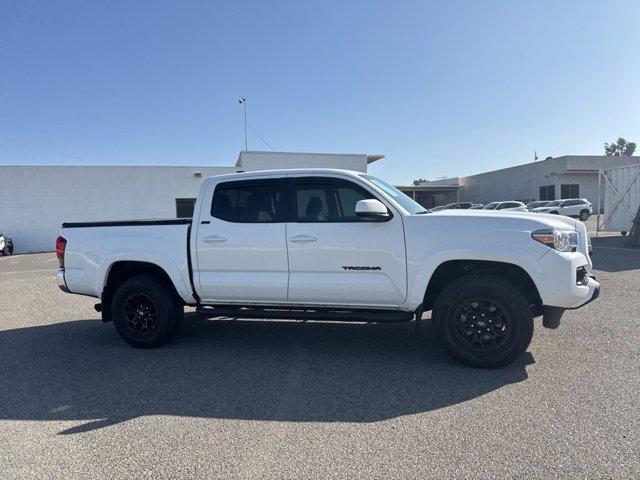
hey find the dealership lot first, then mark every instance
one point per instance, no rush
(256, 399)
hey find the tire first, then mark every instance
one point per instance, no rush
(584, 215)
(146, 312)
(502, 342)
(7, 250)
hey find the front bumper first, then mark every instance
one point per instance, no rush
(61, 282)
(551, 315)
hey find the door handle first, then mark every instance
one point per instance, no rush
(214, 239)
(302, 238)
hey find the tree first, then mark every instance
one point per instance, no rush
(621, 147)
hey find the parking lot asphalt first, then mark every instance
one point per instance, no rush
(259, 399)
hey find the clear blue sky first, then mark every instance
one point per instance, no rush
(441, 88)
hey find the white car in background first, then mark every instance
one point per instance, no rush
(571, 207)
(509, 206)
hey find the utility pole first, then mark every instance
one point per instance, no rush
(243, 101)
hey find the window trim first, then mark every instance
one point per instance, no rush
(280, 182)
(336, 182)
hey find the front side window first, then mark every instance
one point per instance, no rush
(328, 200)
(252, 201)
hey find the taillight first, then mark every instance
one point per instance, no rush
(61, 245)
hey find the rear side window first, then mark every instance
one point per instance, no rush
(328, 200)
(251, 201)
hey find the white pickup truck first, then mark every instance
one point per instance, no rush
(333, 245)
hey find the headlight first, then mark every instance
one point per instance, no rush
(561, 240)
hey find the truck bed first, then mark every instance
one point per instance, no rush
(92, 248)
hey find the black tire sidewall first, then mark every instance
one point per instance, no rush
(486, 286)
(586, 215)
(169, 311)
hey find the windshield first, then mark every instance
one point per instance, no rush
(553, 204)
(491, 206)
(405, 202)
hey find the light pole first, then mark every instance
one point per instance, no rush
(243, 102)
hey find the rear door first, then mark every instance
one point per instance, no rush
(241, 247)
(337, 258)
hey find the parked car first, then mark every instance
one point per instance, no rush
(6, 245)
(537, 204)
(477, 206)
(509, 205)
(327, 244)
(571, 207)
(436, 209)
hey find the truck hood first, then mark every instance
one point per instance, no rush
(517, 219)
(507, 228)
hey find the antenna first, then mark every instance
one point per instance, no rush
(243, 101)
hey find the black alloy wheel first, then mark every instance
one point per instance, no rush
(141, 314)
(483, 320)
(480, 325)
(146, 311)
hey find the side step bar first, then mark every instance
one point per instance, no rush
(332, 314)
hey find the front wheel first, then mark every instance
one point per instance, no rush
(584, 215)
(146, 312)
(483, 321)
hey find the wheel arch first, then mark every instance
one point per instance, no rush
(120, 271)
(451, 270)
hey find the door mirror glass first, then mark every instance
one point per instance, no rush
(372, 209)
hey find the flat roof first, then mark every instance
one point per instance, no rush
(370, 157)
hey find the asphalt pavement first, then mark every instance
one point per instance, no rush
(266, 399)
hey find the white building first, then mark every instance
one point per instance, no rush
(569, 176)
(35, 200)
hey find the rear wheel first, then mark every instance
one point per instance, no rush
(146, 312)
(584, 215)
(483, 321)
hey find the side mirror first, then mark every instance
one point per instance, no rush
(372, 210)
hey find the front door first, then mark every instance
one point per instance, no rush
(241, 247)
(337, 258)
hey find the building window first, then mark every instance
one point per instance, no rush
(548, 192)
(570, 191)
(184, 207)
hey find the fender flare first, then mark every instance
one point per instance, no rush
(438, 256)
(168, 265)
